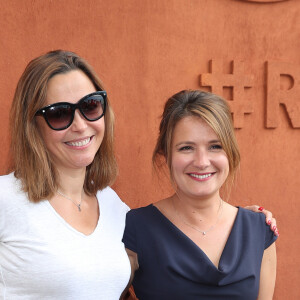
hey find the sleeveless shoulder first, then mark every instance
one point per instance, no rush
(137, 221)
(256, 222)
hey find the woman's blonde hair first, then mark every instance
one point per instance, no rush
(31, 161)
(209, 107)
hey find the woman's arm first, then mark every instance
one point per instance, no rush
(269, 219)
(268, 274)
(134, 266)
(133, 262)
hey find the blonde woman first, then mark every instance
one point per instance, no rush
(193, 244)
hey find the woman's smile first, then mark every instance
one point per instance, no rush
(80, 143)
(201, 177)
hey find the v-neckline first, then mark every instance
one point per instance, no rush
(69, 226)
(219, 269)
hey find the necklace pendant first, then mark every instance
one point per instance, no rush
(79, 208)
(204, 233)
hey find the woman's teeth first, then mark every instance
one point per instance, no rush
(201, 176)
(80, 143)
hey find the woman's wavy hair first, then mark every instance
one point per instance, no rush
(30, 159)
(209, 107)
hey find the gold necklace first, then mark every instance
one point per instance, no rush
(220, 211)
(78, 205)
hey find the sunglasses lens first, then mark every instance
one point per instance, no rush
(92, 107)
(59, 116)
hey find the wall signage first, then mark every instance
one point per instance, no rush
(282, 87)
(264, 1)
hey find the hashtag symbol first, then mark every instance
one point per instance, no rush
(238, 81)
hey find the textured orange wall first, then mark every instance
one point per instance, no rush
(145, 51)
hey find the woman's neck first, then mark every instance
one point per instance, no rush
(71, 181)
(196, 210)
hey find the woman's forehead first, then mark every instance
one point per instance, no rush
(68, 87)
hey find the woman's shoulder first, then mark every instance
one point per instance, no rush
(10, 186)
(109, 198)
(141, 212)
(12, 198)
(254, 224)
(108, 194)
(8, 179)
(251, 216)
(244, 218)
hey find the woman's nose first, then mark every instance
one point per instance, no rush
(79, 122)
(201, 159)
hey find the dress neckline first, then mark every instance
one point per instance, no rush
(174, 227)
(69, 226)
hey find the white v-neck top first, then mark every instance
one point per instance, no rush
(43, 257)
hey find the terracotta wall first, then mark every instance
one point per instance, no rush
(145, 51)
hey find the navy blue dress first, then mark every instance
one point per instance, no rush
(172, 266)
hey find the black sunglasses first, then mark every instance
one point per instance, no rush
(59, 116)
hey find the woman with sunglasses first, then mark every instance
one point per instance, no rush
(61, 225)
(193, 245)
(54, 244)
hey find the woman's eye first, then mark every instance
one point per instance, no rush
(216, 147)
(185, 148)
